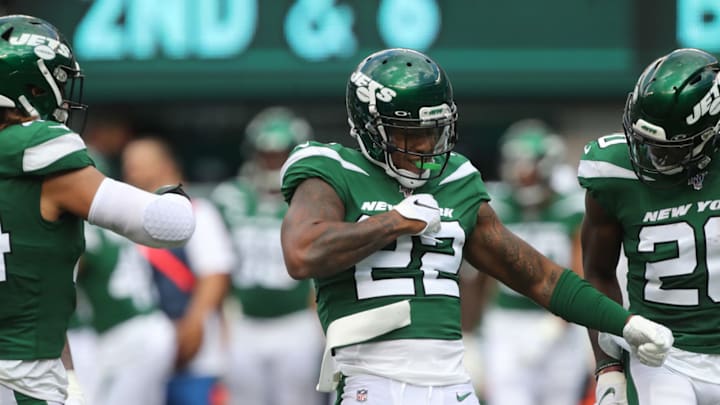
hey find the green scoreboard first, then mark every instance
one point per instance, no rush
(239, 49)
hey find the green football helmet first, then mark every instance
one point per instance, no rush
(530, 154)
(269, 138)
(671, 117)
(41, 76)
(402, 91)
(277, 129)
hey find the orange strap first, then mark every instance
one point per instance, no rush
(170, 266)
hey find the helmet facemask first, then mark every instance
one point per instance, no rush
(74, 110)
(66, 88)
(414, 151)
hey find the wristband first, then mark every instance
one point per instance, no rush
(607, 366)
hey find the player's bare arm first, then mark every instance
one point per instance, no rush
(207, 298)
(601, 241)
(500, 253)
(318, 243)
(70, 192)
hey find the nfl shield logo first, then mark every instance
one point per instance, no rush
(361, 395)
(697, 180)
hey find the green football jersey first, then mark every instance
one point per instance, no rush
(670, 238)
(260, 281)
(115, 278)
(37, 257)
(415, 268)
(551, 230)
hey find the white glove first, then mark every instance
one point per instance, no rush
(75, 395)
(648, 340)
(421, 207)
(611, 389)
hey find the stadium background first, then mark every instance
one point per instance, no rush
(196, 71)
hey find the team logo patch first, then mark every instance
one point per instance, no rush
(697, 180)
(361, 395)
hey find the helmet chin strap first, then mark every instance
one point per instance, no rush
(406, 181)
(29, 109)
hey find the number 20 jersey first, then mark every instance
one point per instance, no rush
(415, 268)
(671, 238)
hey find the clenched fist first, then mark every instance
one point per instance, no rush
(648, 340)
(421, 207)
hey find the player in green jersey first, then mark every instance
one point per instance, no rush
(49, 186)
(653, 192)
(135, 346)
(533, 356)
(383, 230)
(273, 306)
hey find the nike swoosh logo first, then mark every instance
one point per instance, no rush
(609, 391)
(462, 397)
(424, 205)
(586, 148)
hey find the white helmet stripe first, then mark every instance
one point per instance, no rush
(28, 107)
(51, 81)
(6, 102)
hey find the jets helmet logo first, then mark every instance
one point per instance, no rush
(369, 91)
(709, 104)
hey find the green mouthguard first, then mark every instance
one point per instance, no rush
(428, 165)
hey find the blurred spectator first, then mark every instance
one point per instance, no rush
(192, 281)
(276, 340)
(106, 137)
(534, 357)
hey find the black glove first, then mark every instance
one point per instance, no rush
(173, 189)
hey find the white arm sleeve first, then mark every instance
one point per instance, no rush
(165, 220)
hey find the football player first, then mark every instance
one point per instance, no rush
(533, 356)
(273, 306)
(135, 345)
(382, 230)
(49, 186)
(653, 191)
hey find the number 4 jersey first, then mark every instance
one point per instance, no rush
(37, 257)
(671, 238)
(416, 268)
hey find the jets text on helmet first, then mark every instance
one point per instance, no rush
(709, 104)
(37, 40)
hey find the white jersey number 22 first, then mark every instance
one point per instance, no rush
(432, 264)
